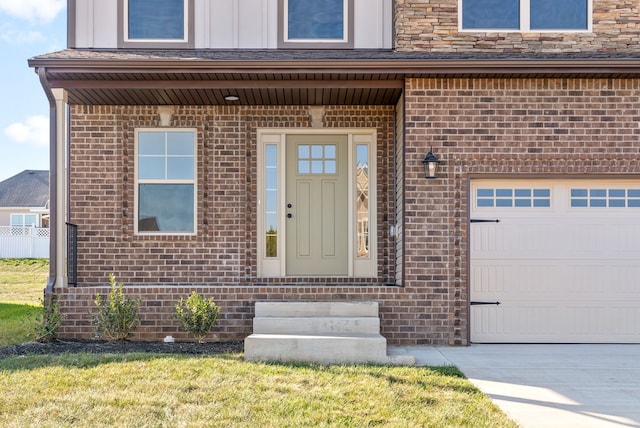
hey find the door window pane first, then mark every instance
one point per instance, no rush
(271, 200)
(317, 159)
(362, 200)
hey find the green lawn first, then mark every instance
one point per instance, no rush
(22, 282)
(147, 390)
(225, 391)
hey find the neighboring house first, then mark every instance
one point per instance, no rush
(24, 200)
(220, 146)
(24, 215)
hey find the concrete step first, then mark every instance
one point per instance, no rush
(316, 325)
(316, 309)
(329, 349)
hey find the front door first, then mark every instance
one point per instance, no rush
(316, 205)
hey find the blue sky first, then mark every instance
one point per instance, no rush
(27, 28)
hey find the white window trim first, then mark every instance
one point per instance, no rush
(525, 21)
(22, 215)
(365, 267)
(194, 181)
(123, 30)
(346, 42)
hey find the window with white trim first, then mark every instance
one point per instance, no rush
(22, 224)
(165, 181)
(24, 220)
(316, 24)
(156, 23)
(525, 15)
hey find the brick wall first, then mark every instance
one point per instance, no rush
(479, 127)
(432, 25)
(499, 128)
(221, 258)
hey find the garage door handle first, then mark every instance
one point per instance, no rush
(484, 303)
(480, 220)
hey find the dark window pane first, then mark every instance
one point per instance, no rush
(485, 202)
(485, 193)
(491, 14)
(559, 15)
(156, 19)
(578, 203)
(166, 208)
(316, 19)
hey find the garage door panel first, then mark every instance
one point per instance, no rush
(527, 239)
(537, 321)
(562, 273)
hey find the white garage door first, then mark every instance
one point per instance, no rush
(563, 261)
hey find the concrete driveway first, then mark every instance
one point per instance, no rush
(550, 385)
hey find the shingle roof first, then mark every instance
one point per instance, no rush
(316, 55)
(27, 189)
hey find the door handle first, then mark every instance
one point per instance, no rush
(289, 215)
(289, 206)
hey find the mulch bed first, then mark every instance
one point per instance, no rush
(122, 347)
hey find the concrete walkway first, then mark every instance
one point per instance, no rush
(550, 385)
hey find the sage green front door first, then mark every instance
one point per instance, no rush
(316, 205)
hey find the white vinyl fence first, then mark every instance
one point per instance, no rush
(24, 242)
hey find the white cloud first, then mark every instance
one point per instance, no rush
(33, 10)
(33, 131)
(17, 37)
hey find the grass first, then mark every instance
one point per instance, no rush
(22, 282)
(148, 390)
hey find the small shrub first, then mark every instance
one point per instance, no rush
(197, 315)
(44, 321)
(117, 316)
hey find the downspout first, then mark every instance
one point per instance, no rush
(53, 182)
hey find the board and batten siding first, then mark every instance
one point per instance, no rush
(231, 24)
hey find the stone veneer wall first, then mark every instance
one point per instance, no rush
(432, 25)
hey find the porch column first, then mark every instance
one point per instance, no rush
(59, 222)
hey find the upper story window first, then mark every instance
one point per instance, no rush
(156, 24)
(525, 15)
(322, 24)
(165, 181)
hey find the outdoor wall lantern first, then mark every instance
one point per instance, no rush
(431, 163)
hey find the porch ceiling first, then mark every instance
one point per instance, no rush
(274, 77)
